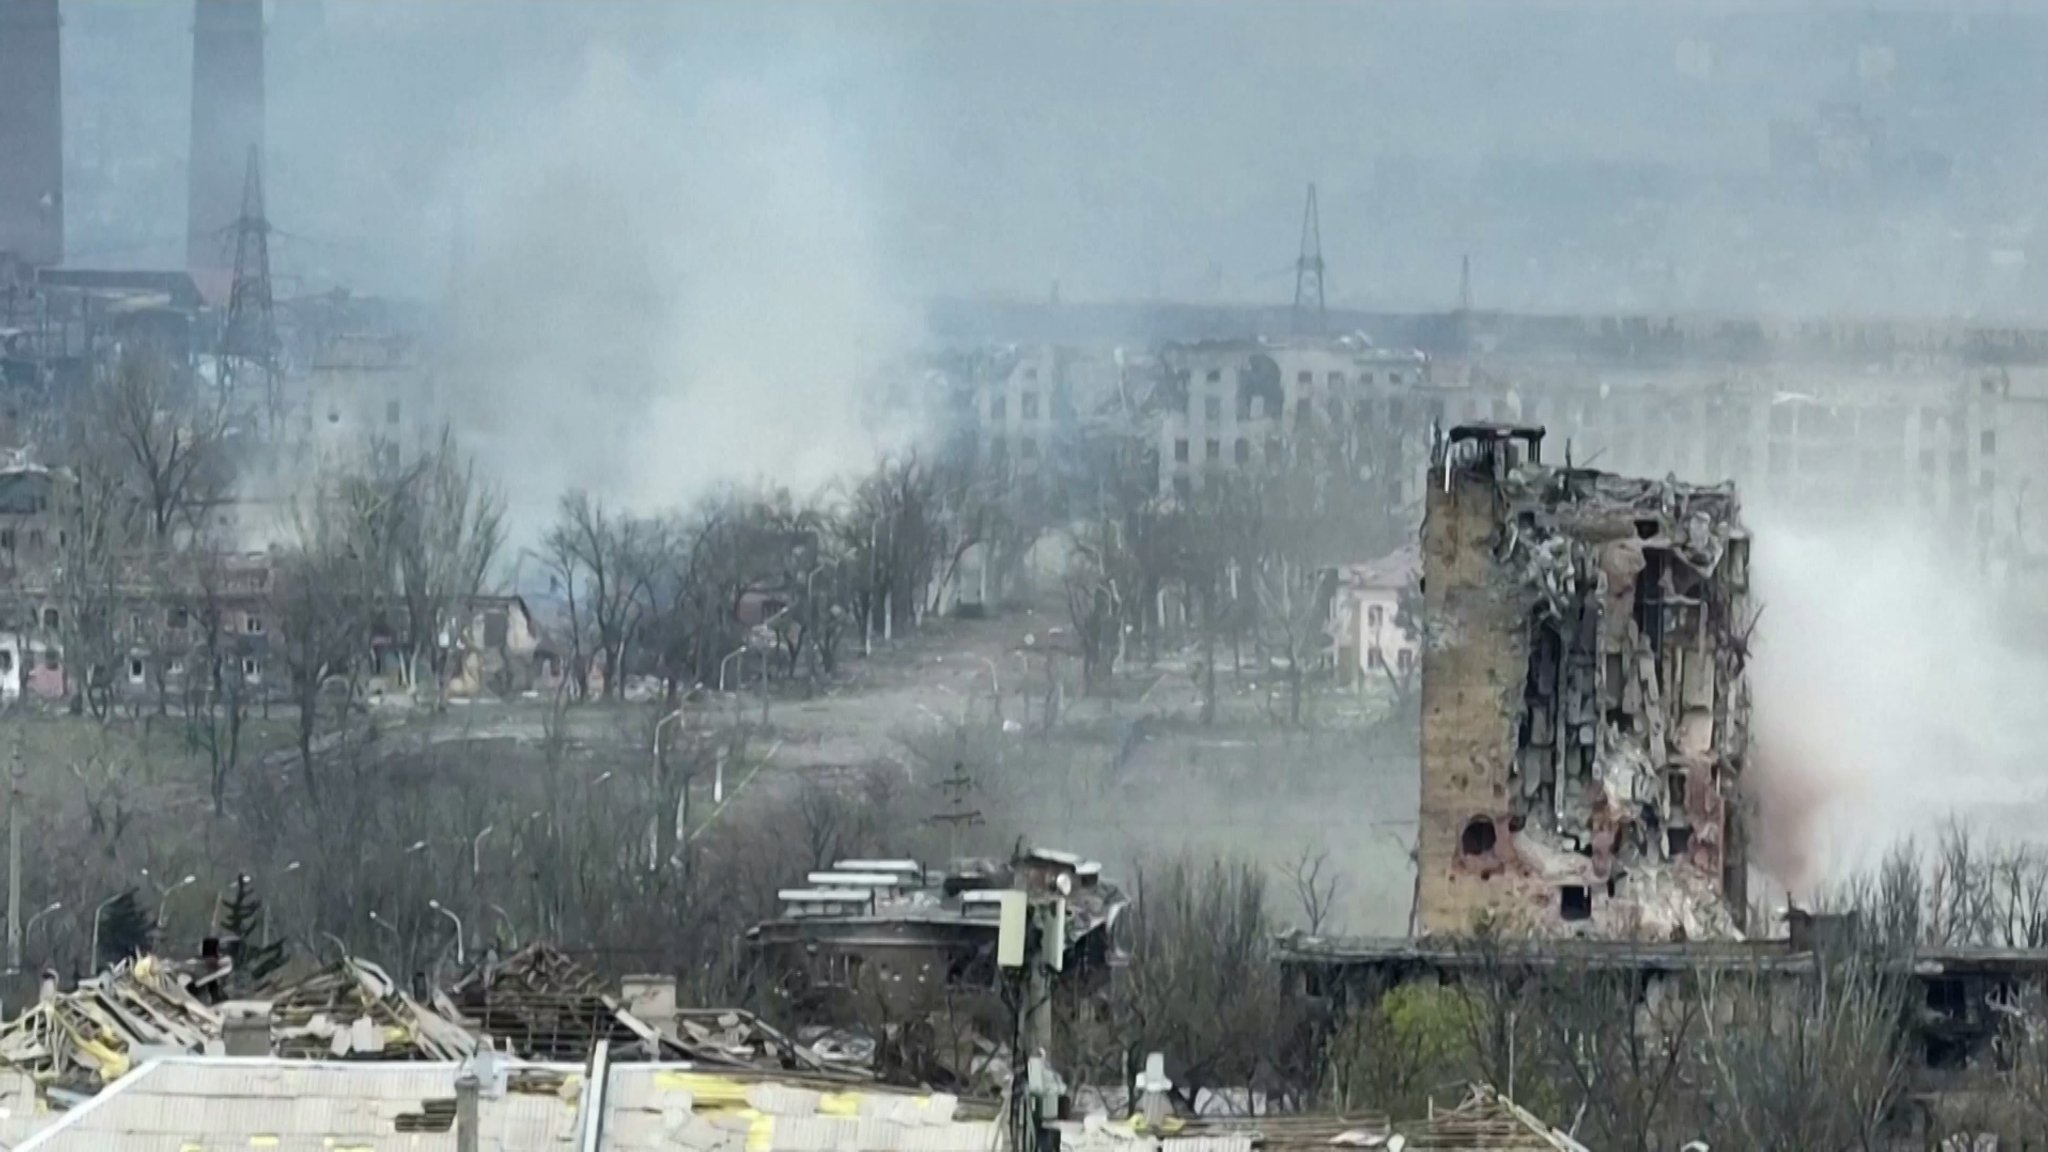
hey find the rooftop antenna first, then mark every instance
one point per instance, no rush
(1308, 270)
(248, 337)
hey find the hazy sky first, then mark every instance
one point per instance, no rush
(1588, 155)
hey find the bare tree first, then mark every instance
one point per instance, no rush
(451, 528)
(169, 447)
(331, 594)
(598, 558)
(1201, 986)
(1316, 891)
(216, 696)
(1818, 1061)
(98, 562)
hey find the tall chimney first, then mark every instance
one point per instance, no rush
(227, 121)
(31, 133)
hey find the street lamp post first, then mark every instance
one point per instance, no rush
(476, 850)
(461, 956)
(289, 869)
(28, 932)
(995, 689)
(729, 657)
(654, 778)
(164, 891)
(511, 929)
(102, 907)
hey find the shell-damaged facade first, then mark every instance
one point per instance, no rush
(1585, 716)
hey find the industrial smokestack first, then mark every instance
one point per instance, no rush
(227, 121)
(31, 134)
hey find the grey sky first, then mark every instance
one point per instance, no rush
(1588, 155)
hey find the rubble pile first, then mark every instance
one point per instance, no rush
(353, 1010)
(543, 1005)
(740, 1039)
(94, 1034)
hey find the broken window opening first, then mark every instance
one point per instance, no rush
(1479, 836)
(1947, 1053)
(1574, 902)
(1678, 841)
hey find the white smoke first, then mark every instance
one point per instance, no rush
(1893, 695)
(654, 296)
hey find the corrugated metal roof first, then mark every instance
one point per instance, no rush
(202, 1104)
(282, 1106)
(654, 1108)
(22, 1111)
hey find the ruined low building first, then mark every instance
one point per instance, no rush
(892, 933)
(1584, 708)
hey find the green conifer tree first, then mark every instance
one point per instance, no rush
(241, 923)
(125, 930)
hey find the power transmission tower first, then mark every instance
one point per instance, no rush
(1308, 270)
(248, 337)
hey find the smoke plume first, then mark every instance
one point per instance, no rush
(1892, 696)
(652, 296)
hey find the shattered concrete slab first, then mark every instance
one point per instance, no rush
(1585, 711)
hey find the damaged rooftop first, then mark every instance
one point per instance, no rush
(1584, 705)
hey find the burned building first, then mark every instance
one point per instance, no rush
(1584, 711)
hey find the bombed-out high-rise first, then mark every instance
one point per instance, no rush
(1585, 710)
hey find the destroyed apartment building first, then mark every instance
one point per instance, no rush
(909, 934)
(1584, 707)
